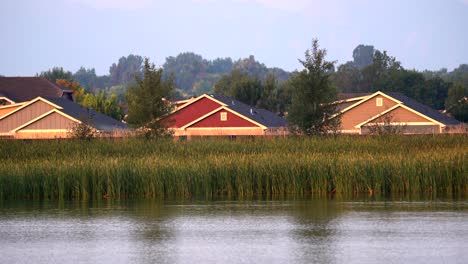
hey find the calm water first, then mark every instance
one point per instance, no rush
(312, 231)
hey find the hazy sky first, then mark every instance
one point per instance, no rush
(39, 34)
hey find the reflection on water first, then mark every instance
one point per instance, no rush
(304, 231)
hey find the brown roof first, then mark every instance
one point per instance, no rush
(20, 89)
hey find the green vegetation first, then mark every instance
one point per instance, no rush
(148, 101)
(312, 95)
(243, 168)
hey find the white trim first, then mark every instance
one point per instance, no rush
(30, 103)
(405, 124)
(223, 116)
(202, 117)
(422, 115)
(43, 130)
(227, 109)
(197, 99)
(42, 116)
(11, 105)
(350, 99)
(378, 115)
(379, 101)
(7, 99)
(365, 100)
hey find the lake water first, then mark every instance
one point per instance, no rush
(286, 231)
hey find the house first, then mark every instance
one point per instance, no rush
(363, 113)
(34, 108)
(217, 115)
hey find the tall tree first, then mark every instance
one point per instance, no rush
(149, 100)
(126, 69)
(457, 102)
(312, 94)
(363, 56)
(240, 86)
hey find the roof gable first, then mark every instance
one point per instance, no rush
(21, 89)
(261, 116)
(228, 123)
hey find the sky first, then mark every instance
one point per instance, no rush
(36, 35)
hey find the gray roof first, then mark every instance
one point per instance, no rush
(96, 119)
(424, 109)
(262, 116)
(21, 89)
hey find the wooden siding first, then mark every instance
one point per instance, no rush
(52, 121)
(214, 121)
(191, 112)
(23, 116)
(426, 129)
(41, 134)
(364, 111)
(6, 110)
(403, 115)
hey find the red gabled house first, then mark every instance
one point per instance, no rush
(216, 115)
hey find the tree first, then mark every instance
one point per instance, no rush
(457, 102)
(347, 78)
(187, 68)
(269, 94)
(149, 100)
(313, 94)
(363, 56)
(240, 86)
(56, 73)
(126, 69)
(100, 102)
(86, 77)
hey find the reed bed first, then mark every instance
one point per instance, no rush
(242, 168)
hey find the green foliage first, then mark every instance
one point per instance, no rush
(148, 101)
(125, 71)
(260, 168)
(106, 105)
(312, 94)
(56, 73)
(240, 86)
(83, 130)
(457, 102)
(363, 55)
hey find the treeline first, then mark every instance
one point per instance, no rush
(254, 83)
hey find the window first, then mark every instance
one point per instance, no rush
(223, 116)
(379, 102)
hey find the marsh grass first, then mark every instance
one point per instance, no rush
(241, 169)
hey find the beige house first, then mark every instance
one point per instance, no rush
(51, 113)
(362, 114)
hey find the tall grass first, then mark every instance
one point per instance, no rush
(132, 168)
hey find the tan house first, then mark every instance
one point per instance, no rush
(366, 113)
(48, 111)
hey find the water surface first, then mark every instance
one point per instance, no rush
(286, 231)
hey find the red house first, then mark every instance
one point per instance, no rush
(216, 115)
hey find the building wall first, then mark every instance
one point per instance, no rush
(364, 112)
(410, 129)
(6, 110)
(44, 134)
(226, 131)
(191, 113)
(232, 120)
(52, 121)
(23, 116)
(401, 114)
